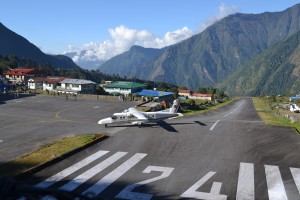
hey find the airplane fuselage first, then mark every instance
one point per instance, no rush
(134, 116)
(121, 118)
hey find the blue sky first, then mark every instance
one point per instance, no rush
(108, 27)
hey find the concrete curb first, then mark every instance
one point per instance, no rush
(58, 159)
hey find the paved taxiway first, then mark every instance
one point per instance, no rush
(223, 154)
(30, 122)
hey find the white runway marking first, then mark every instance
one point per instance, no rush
(73, 184)
(57, 177)
(296, 176)
(107, 180)
(233, 110)
(214, 125)
(245, 188)
(193, 191)
(1, 140)
(127, 193)
(276, 188)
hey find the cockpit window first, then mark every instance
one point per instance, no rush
(114, 117)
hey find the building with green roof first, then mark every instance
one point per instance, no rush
(124, 87)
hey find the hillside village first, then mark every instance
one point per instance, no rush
(188, 104)
(31, 80)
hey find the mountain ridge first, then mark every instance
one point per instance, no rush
(14, 44)
(209, 57)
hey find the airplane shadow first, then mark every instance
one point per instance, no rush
(200, 123)
(163, 124)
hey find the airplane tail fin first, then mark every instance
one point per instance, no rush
(175, 106)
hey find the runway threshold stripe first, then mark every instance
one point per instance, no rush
(214, 125)
(66, 172)
(73, 184)
(245, 188)
(107, 180)
(275, 185)
(296, 177)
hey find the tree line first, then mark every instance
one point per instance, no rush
(12, 61)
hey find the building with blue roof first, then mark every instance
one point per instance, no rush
(159, 95)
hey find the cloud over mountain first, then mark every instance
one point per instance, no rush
(123, 37)
(223, 11)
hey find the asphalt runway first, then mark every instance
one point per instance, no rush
(223, 154)
(30, 122)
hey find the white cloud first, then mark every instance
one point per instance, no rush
(224, 11)
(122, 38)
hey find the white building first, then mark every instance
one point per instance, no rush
(21, 76)
(201, 96)
(52, 82)
(76, 86)
(36, 83)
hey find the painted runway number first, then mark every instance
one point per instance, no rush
(245, 182)
(214, 192)
(127, 192)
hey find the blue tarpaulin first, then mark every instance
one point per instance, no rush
(154, 93)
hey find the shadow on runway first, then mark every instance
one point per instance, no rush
(200, 123)
(163, 124)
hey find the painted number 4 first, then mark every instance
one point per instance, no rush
(214, 192)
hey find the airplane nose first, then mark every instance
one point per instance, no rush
(105, 121)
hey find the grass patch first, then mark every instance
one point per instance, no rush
(265, 110)
(46, 153)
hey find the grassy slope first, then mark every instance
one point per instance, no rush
(269, 116)
(45, 154)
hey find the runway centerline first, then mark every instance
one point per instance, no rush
(214, 125)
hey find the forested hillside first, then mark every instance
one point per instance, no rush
(14, 44)
(274, 72)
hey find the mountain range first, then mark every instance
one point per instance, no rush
(243, 54)
(14, 44)
(208, 58)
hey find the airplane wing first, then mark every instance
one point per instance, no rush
(137, 114)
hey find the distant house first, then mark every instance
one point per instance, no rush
(159, 95)
(36, 83)
(20, 76)
(123, 87)
(76, 86)
(185, 93)
(52, 82)
(201, 96)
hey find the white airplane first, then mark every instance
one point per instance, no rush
(135, 117)
(294, 108)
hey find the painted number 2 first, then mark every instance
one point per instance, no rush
(214, 192)
(127, 193)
